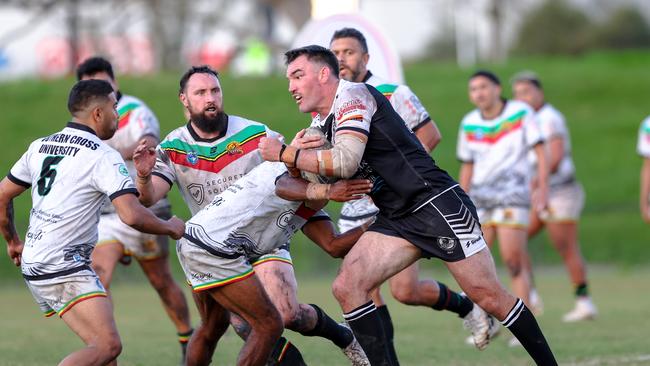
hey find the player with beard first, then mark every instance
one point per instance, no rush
(351, 50)
(205, 157)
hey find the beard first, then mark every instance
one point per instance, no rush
(209, 124)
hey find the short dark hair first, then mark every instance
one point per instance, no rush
(93, 65)
(486, 74)
(315, 53)
(202, 69)
(351, 33)
(529, 77)
(85, 92)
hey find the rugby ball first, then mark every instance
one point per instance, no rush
(313, 177)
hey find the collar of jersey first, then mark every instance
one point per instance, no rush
(198, 138)
(79, 126)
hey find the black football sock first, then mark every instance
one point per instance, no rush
(582, 290)
(387, 324)
(523, 325)
(183, 339)
(286, 354)
(453, 301)
(367, 327)
(326, 327)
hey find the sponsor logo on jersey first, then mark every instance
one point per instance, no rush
(196, 191)
(122, 169)
(234, 147)
(192, 158)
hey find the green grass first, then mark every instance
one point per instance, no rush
(603, 95)
(423, 336)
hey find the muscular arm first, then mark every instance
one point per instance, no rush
(644, 197)
(132, 213)
(324, 234)
(8, 191)
(152, 189)
(465, 176)
(541, 196)
(298, 189)
(429, 136)
(340, 161)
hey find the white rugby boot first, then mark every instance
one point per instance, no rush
(583, 310)
(478, 322)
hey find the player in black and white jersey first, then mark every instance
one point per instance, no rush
(71, 173)
(422, 211)
(117, 241)
(350, 48)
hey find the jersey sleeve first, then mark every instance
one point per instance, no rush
(353, 110)
(552, 126)
(143, 122)
(463, 151)
(111, 177)
(164, 167)
(532, 130)
(643, 145)
(409, 107)
(19, 173)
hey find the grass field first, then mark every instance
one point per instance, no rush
(423, 337)
(603, 95)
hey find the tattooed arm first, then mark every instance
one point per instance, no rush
(9, 190)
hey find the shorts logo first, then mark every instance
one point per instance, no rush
(122, 169)
(192, 158)
(447, 244)
(196, 191)
(284, 219)
(234, 148)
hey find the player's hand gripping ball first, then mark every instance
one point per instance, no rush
(313, 177)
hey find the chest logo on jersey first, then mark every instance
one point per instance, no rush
(196, 191)
(123, 170)
(192, 157)
(234, 147)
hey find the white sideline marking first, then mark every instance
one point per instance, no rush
(610, 361)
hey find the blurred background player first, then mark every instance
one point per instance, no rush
(72, 173)
(643, 148)
(493, 144)
(351, 50)
(566, 196)
(119, 242)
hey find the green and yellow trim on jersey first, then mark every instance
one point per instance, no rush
(79, 299)
(223, 282)
(214, 158)
(492, 134)
(387, 89)
(125, 114)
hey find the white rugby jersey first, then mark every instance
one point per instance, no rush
(552, 125)
(204, 168)
(403, 100)
(248, 218)
(643, 146)
(135, 121)
(409, 107)
(71, 172)
(498, 148)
